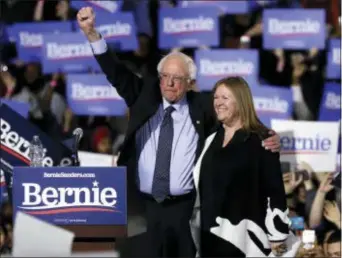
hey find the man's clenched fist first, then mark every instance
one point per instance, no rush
(86, 21)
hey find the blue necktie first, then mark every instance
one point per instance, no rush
(161, 178)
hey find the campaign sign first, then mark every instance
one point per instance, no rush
(21, 108)
(330, 109)
(226, 7)
(16, 135)
(92, 94)
(334, 59)
(188, 27)
(312, 142)
(68, 52)
(29, 37)
(272, 102)
(117, 29)
(294, 28)
(72, 195)
(99, 6)
(213, 65)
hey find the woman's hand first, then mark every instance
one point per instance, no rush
(325, 185)
(273, 142)
(290, 182)
(332, 213)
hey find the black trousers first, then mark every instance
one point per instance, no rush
(168, 229)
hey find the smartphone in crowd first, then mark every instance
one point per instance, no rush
(309, 239)
(285, 167)
(297, 223)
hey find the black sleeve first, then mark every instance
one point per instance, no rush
(127, 83)
(277, 221)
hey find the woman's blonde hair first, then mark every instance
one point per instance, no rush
(242, 93)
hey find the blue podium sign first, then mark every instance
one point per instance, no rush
(72, 195)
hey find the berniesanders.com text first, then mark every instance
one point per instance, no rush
(68, 175)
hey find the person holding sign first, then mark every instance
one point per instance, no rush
(239, 184)
(166, 132)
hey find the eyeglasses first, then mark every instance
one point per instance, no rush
(173, 78)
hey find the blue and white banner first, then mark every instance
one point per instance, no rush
(118, 29)
(213, 65)
(21, 108)
(188, 27)
(330, 109)
(92, 94)
(16, 135)
(294, 29)
(68, 53)
(225, 7)
(29, 37)
(73, 195)
(313, 142)
(99, 6)
(334, 59)
(272, 103)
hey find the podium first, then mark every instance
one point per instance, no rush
(91, 202)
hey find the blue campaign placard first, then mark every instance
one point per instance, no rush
(29, 37)
(272, 102)
(92, 94)
(68, 53)
(330, 109)
(294, 28)
(16, 135)
(21, 108)
(72, 195)
(225, 7)
(118, 29)
(188, 27)
(334, 59)
(99, 6)
(213, 65)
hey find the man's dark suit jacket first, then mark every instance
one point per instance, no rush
(143, 97)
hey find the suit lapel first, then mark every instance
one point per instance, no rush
(195, 113)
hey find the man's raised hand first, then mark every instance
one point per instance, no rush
(86, 21)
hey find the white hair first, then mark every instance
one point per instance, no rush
(192, 69)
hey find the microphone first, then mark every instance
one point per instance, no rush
(78, 134)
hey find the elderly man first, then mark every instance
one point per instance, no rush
(167, 129)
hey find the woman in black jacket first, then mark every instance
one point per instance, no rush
(241, 206)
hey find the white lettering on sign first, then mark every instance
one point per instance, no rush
(116, 29)
(28, 39)
(36, 198)
(81, 91)
(333, 101)
(283, 27)
(274, 104)
(61, 51)
(171, 25)
(20, 145)
(218, 68)
(336, 56)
